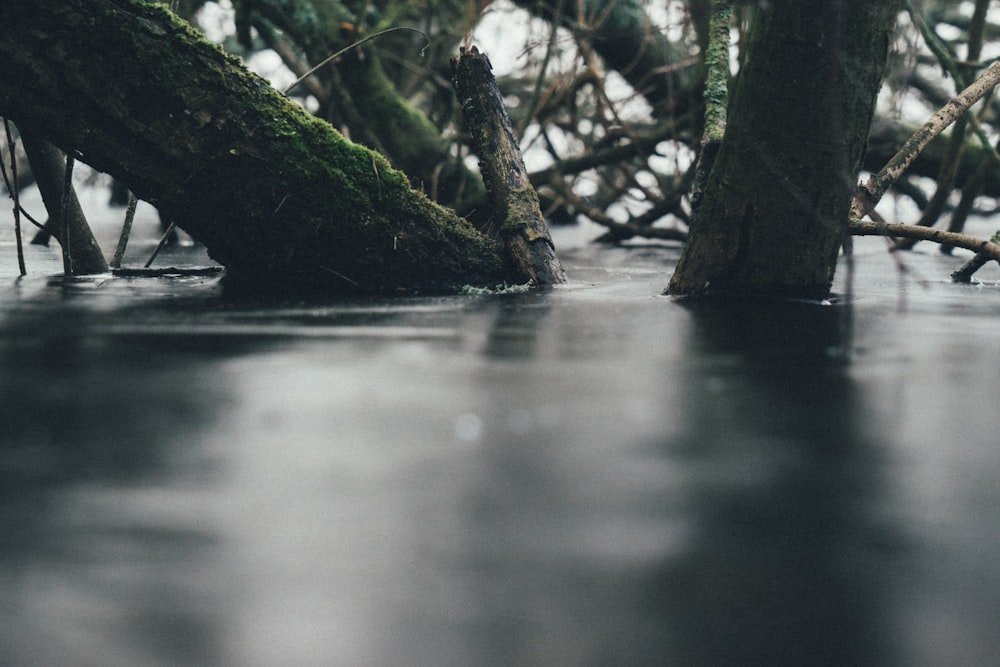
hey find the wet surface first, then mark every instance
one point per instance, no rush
(589, 475)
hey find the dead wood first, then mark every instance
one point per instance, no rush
(530, 253)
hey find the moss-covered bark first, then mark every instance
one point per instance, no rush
(775, 209)
(716, 95)
(519, 222)
(409, 138)
(271, 191)
(362, 97)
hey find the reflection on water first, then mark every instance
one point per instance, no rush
(586, 476)
(791, 562)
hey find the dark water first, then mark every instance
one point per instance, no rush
(592, 475)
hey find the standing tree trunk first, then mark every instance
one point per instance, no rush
(774, 213)
(276, 195)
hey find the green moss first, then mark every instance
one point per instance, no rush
(161, 17)
(273, 192)
(502, 288)
(524, 216)
(716, 92)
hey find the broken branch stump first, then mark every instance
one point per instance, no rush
(529, 251)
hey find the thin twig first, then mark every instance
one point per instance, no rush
(536, 94)
(30, 218)
(945, 59)
(66, 198)
(378, 179)
(163, 241)
(348, 48)
(341, 276)
(13, 188)
(116, 261)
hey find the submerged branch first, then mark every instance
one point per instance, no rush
(964, 274)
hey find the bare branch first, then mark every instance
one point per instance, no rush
(347, 48)
(987, 248)
(871, 192)
(964, 274)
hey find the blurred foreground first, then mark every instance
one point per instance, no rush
(586, 476)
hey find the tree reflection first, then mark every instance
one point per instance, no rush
(97, 561)
(788, 562)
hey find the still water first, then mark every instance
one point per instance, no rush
(591, 475)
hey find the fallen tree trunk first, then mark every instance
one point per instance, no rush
(277, 196)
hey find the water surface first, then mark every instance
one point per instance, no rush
(589, 475)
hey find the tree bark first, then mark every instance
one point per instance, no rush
(48, 164)
(277, 196)
(775, 210)
(522, 229)
(716, 95)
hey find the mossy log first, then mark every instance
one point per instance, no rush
(277, 196)
(513, 201)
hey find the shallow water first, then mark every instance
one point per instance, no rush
(589, 475)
